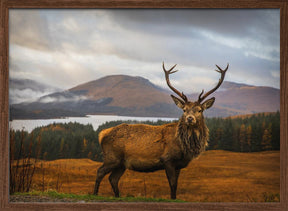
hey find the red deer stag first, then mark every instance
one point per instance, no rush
(146, 148)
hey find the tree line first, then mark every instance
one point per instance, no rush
(259, 132)
(73, 140)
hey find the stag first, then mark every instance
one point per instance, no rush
(147, 148)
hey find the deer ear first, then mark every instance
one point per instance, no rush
(178, 102)
(208, 103)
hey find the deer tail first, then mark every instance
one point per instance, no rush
(103, 133)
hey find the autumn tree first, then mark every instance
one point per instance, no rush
(267, 138)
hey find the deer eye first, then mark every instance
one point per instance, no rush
(184, 110)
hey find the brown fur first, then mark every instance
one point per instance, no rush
(193, 140)
(147, 148)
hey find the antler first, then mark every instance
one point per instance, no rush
(167, 73)
(200, 99)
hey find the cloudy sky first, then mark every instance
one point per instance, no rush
(64, 47)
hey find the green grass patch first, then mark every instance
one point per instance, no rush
(93, 198)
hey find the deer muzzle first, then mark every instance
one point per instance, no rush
(191, 120)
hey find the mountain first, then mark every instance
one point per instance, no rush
(117, 94)
(126, 91)
(137, 96)
(247, 99)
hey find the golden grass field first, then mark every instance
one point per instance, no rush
(216, 176)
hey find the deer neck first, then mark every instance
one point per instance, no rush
(193, 139)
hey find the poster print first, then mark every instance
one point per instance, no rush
(74, 73)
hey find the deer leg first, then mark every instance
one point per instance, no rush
(172, 175)
(102, 171)
(114, 179)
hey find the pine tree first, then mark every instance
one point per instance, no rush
(248, 138)
(242, 137)
(218, 138)
(61, 149)
(267, 138)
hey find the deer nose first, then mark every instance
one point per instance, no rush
(191, 119)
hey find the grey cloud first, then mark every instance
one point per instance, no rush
(92, 43)
(28, 28)
(153, 34)
(26, 95)
(23, 90)
(21, 84)
(262, 26)
(61, 99)
(235, 22)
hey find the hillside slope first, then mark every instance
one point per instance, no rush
(216, 176)
(126, 91)
(239, 99)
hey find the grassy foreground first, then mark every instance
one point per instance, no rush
(91, 198)
(216, 176)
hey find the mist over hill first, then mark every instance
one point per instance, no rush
(26, 90)
(137, 96)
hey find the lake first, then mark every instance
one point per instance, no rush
(94, 120)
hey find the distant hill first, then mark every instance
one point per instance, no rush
(126, 91)
(247, 99)
(137, 96)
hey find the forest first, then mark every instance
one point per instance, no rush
(254, 133)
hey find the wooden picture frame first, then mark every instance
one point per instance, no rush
(5, 5)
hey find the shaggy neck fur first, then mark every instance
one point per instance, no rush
(193, 139)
